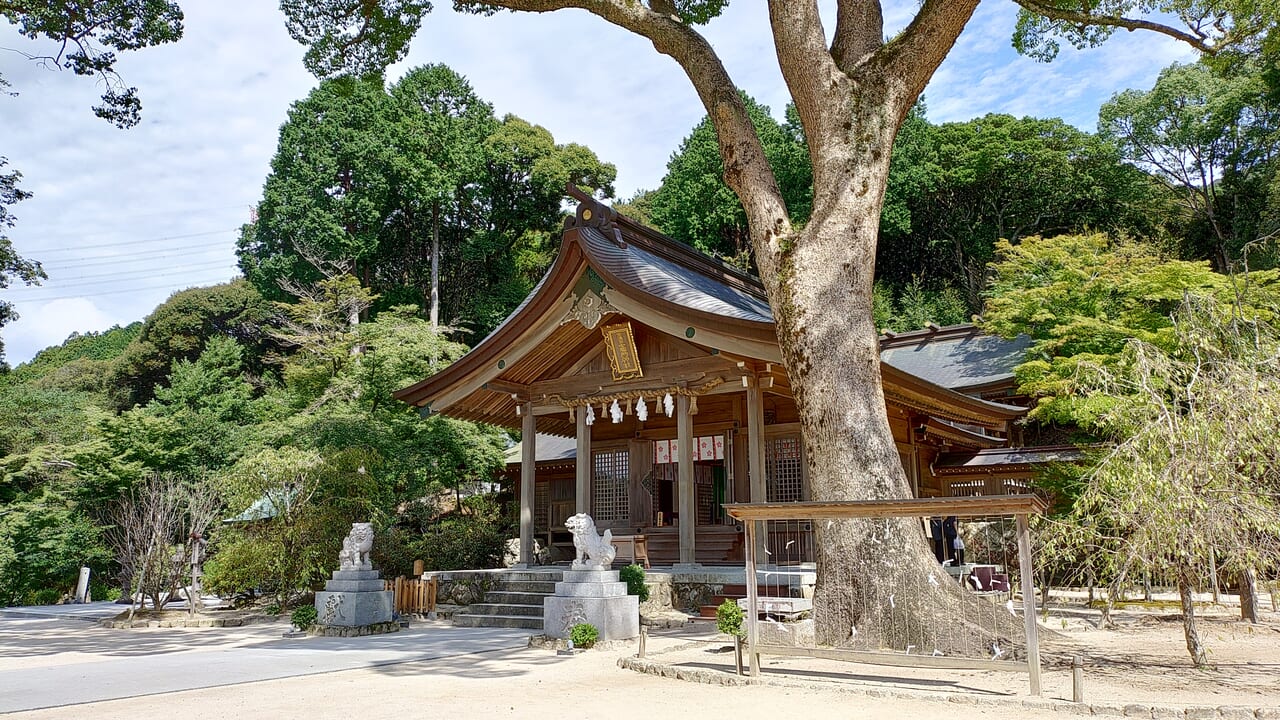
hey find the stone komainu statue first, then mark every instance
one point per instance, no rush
(594, 551)
(356, 547)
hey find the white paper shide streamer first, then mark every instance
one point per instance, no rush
(591, 415)
(615, 412)
(642, 410)
(669, 405)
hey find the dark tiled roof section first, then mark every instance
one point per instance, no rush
(958, 357)
(1007, 456)
(674, 282)
(548, 448)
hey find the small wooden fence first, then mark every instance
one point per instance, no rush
(1019, 507)
(414, 595)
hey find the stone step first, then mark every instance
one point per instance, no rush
(509, 597)
(531, 575)
(544, 587)
(501, 621)
(504, 609)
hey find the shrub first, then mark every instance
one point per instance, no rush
(272, 609)
(729, 618)
(44, 596)
(463, 542)
(633, 576)
(304, 617)
(584, 635)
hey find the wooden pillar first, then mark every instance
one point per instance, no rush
(755, 457)
(582, 495)
(688, 494)
(753, 612)
(1028, 602)
(528, 464)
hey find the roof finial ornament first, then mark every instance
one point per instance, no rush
(593, 213)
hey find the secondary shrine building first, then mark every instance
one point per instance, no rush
(648, 387)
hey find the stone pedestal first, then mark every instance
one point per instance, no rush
(597, 597)
(354, 598)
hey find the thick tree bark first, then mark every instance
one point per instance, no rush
(1186, 580)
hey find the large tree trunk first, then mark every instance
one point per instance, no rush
(1186, 579)
(878, 576)
(435, 264)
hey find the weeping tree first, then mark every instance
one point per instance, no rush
(851, 95)
(1192, 482)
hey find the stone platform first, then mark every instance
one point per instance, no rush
(354, 598)
(597, 597)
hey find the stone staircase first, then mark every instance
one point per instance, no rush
(514, 602)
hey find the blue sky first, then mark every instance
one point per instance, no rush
(122, 219)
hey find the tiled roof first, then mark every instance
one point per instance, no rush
(958, 358)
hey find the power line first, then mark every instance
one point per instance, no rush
(95, 283)
(55, 281)
(136, 256)
(117, 292)
(133, 242)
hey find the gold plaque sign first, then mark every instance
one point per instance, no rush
(620, 346)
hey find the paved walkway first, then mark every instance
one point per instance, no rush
(51, 657)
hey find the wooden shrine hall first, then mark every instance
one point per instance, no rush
(659, 366)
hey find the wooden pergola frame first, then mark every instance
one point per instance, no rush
(1021, 507)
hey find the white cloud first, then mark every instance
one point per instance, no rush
(50, 323)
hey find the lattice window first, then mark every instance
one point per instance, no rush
(784, 469)
(542, 506)
(609, 497)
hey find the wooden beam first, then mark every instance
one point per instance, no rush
(893, 659)
(688, 497)
(923, 507)
(657, 376)
(1029, 602)
(755, 455)
(582, 462)
(506, 386)
(528, 466)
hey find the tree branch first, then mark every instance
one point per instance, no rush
(859, 32)
(817, 86)
(1196, 41)
(746, 169)
(910, 59)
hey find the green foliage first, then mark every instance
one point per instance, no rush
(696, 207)
(463, 542)
(584, 635)
(633, 576)
(94, 350)
(1211, 137)
(179, 328)
(12, 265)
(44, 540)
(84, 34)
(957, 188)
(304, 617)
(345, 38)
(729, 618)
(307, 502)
(915, 305)
(1190, 482)
(1082, 298)
(365, 177)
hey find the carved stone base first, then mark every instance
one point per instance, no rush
(354, 598)
(596, 597)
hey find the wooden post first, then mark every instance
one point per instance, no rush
(749, 527)
(417, 568)
(528, 466)
(644, 637)
(1028, 602)
(1077, 679)
(755, 455)
(582, 495)
(688, 494)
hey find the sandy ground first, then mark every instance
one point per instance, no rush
(1143, 660)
